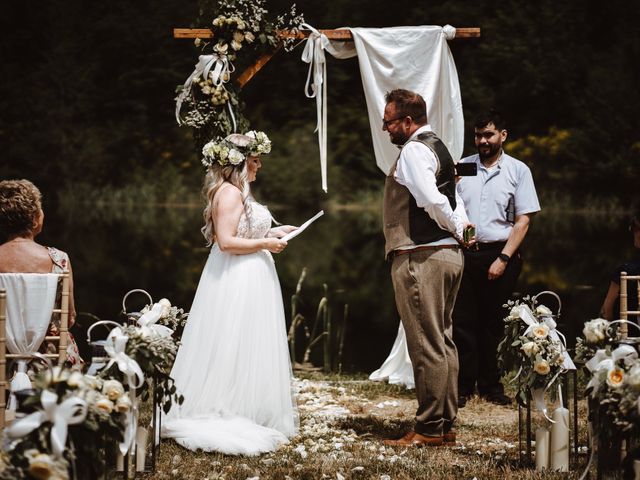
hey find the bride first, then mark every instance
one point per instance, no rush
(233, 364)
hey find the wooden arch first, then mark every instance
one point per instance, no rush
(339, 35)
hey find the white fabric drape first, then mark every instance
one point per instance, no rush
(413, 58)
(30, 300)
(417, 59)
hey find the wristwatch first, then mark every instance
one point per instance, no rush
(504, 257)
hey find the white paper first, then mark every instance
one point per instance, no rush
(302, 227)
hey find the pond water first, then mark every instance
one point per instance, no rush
(116, 249)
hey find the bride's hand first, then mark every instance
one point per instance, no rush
(275, 245)
(281, 231)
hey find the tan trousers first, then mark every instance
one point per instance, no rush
(426, 283)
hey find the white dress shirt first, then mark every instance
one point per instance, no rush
(416, 169)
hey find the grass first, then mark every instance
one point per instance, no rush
(342, 423)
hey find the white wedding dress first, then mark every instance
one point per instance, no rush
(397, 368)
(233, 364)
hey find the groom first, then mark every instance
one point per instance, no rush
(423, 218)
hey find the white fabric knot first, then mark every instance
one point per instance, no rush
(449, 32)
(71, 411)
(115, 348)
(215, 66)
(147, 322)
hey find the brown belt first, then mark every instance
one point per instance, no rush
(424, 247)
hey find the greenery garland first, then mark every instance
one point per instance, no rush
(242, 31)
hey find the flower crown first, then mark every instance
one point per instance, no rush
(235, 148)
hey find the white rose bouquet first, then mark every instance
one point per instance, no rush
(531, 350)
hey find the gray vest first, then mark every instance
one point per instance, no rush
(406, 224)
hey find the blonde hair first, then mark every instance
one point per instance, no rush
(216, 176)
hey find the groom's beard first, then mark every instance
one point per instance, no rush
(398, 138)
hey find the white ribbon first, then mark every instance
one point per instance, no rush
(20, 381)
(215, 66)
(71, 411)
(603, 361)
(313, 54)
(148, 326)
(115, 348)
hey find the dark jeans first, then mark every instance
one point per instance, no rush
(478, 319)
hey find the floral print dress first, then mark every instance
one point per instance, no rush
(60, 265)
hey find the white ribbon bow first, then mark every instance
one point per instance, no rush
(313, 54)
(147, 322)
(603, 361)
(115, 348)
(71, 411)
(215, 66)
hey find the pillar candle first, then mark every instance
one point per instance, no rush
(542, 448)
(119, 461)
(636, 469)
(559, 458)
(141, 448)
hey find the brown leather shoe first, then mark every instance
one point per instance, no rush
(449, 439)
(413, 439)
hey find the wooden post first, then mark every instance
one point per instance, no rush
(3, 358)
(64, 319)
(623, 304)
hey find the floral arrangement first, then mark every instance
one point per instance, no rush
(615, 389)
(88, 411)
(614, 386)
(154, 354)
(241, 28)
(531, 348)
(235, 148)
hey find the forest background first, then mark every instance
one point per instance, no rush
(87, 97)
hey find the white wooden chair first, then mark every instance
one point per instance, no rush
(625, 310)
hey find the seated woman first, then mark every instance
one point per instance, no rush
(611, 307)
(21, 219)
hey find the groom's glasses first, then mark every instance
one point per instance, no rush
(385, 123)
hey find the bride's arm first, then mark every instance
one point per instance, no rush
(226, 217)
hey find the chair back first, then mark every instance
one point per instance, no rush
(34, 333)
(627, 310)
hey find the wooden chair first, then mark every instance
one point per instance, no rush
(60, 308)
(63, 338)
(625, 312)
